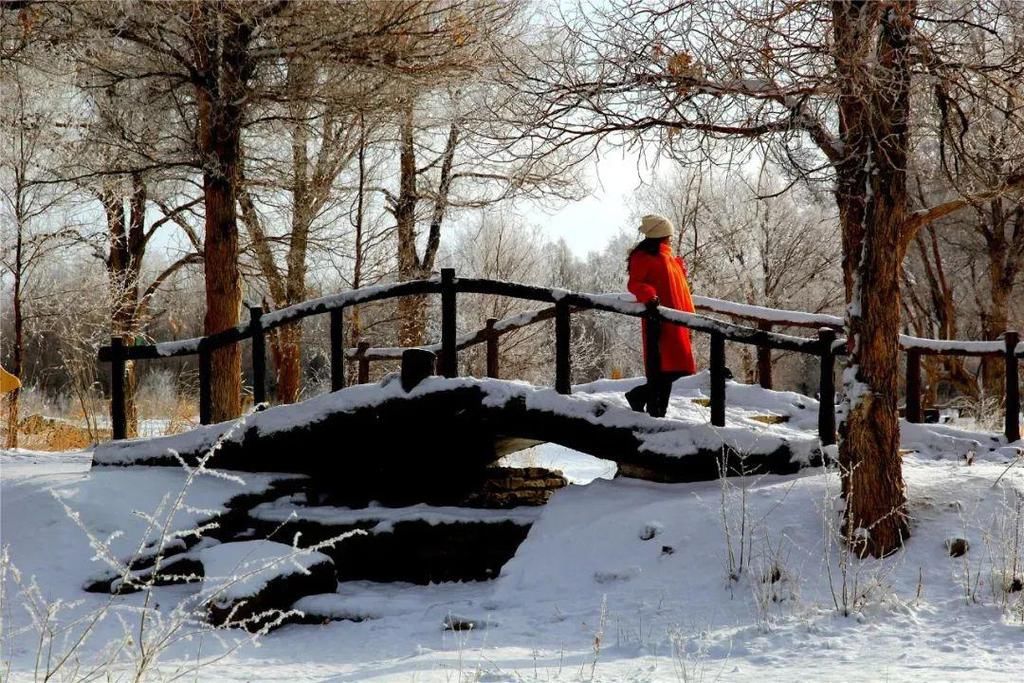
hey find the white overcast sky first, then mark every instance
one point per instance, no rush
(588, 224)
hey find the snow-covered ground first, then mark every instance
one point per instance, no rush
(618, 580)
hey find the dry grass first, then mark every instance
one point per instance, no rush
(69, 431)
(770, 419)
(40, 433)
(183, 417)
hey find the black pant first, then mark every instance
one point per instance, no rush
(654, 394)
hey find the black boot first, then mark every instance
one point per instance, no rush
(657, 404)
(637, 398)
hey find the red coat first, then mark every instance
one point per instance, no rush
(664, 275)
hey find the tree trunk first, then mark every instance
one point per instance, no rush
(872, 197)
(126, 230)
(411, 309)
(17, 354)
(286, 350)
(996, 317)
(869, 450)
(355, 324)
(222, 54)
(223, 294)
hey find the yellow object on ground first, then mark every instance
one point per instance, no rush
(8, 382)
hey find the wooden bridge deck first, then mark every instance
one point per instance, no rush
(444, 426)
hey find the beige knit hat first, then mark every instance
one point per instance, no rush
(652, 226)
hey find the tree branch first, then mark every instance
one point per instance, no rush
(916, 220)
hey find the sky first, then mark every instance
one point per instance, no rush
(588, 225)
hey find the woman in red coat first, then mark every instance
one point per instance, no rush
(656, 273)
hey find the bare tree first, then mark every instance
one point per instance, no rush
(321, 119)
(978, 126)
(932, 307)
(500, 246)
(138, 200)
(215, 61)
(460, 147)
(35, 223)
(826, 88)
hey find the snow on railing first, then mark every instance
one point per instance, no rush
(349, 298)
(779, 316)
(952, 346)
(565, 302)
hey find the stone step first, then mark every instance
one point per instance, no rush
(253, 584)
(418, 544)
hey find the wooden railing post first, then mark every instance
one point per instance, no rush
(205, 389)
(717, 379)
(417, 365)
(259, 356)
(118, 410)
(764, 358)
(1011, 339)
(337, 349)
(652, 341)
(364, 362)
(492, 348)
(449, 362)
(563, 368)
(827, 388)
(913, 411)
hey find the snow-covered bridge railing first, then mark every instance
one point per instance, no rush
(825, 345)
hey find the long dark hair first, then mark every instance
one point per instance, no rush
(648, 245)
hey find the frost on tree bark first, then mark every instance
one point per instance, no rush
(872, 195)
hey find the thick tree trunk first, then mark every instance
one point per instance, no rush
(223, 293)
(221, 51)
(872, 198)
(869, 450)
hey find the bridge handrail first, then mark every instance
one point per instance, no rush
(825, 345)
(282, 316)
(763, 314)
(480, 336)
(616, 303)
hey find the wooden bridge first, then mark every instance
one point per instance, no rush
(825, 345)
(414, 459)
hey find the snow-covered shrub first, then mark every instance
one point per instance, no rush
(157, 393)
(689, 655)
(854, 582)
(982, 414)
(773, 584)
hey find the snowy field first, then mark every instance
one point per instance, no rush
(618, 580)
